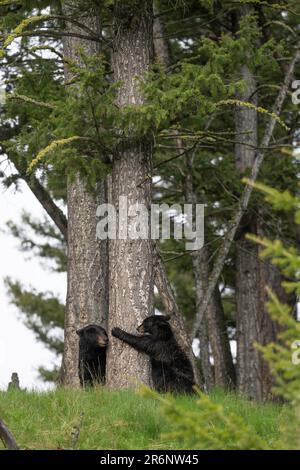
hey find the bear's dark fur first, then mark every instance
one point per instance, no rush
(93, 342)
(171, 369)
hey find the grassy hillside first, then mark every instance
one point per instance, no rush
(113, 420)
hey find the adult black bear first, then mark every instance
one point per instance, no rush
(93, 342)
(171, 369)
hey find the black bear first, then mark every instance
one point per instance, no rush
(93, 343)
(171, 369)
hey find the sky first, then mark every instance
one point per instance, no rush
(19, 350)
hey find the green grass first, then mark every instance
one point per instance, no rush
(114, 420)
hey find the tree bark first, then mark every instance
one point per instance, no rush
(131, 261)
(161, 45)
(87, 289)
(223, 371)
(247, 262)
(253, 322)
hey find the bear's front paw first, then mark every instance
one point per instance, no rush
(117, 332)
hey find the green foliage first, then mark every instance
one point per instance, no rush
(194, 99)
(119, 419)
(208, 425)
(282, 357)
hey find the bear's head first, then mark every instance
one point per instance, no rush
(157, 326)
(93, 336)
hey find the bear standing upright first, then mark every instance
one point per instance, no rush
(171, 369)
(93, 343)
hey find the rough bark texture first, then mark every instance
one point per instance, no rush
(224, 372)
(161, 46)
(247, 262)
(272, 277)
(253, 322)
(131, 261)
(248, 313)
(87, 289)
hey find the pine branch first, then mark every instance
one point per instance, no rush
(45, 199)
(244, 201)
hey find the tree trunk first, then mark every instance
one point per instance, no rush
(131, 261)
(161, 45)
(206, 367)
(247, 262)
(224, 372)
(87, 289)
(254, 324)
(245, 198)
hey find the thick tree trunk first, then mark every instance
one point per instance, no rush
(87, 290)
(131, 261)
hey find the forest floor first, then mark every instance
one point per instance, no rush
(114, 420)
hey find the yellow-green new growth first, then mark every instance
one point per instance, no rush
(259, 109)
(28, 99)
(19, 30)
(56, 143)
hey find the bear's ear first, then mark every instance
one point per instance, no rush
(80, 332)
(167, 317)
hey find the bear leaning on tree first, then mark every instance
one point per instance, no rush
(93, 343)
(171, 369)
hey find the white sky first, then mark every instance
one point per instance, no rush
(19, 350)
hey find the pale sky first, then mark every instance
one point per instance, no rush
(19, 350)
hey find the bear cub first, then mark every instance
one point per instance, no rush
(93, 341)
(171, 368)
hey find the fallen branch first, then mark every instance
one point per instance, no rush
(244, 201)
(7, 438)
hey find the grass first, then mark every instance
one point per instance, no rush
(113, 420)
